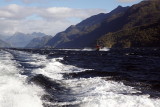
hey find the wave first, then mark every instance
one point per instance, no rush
(93, 49)
(14, 91)
(85, 92)
(60, 90)
(86, 49)
(104, 49)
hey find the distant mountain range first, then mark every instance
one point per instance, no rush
(20, 40)
(38, 42)
(124, 27)
(4, 44)
(135, 26)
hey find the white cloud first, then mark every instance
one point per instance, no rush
(27, 1)
(14, 11)
(15, 18)
(33, 1)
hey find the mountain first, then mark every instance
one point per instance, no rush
(80, 35)
(135, 26)
(4, 37)
(4, 44)
(38, 42)
(141, 36)
(20, 40)
(139, 27)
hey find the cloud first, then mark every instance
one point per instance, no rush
(27, 1)
(126, 0)
(14, 11)
(50, 20)
(32, 1)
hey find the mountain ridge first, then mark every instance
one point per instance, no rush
(3, 44)
(71, 34)
(142, 15)
(38, 42)
(88, 33)
(20, 40)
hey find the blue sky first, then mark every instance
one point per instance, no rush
(50, 16)
(103, 4)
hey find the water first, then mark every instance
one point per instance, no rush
(80, 78)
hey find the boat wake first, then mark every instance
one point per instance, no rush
(34, 80)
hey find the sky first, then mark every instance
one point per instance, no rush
(50, 16)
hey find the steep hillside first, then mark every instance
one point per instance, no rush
(141, 36)
(80, 35)
(38, 42)
(139, 27)
(119, 22)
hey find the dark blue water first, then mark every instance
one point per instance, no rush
(138, 68)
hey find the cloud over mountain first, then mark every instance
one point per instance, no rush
(14, 18)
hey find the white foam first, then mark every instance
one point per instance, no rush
(54, 69)
(95, 92)
(14, 91)
(70, 49)
(88, 49)
(92, 49)
(104, 49)
(88, 92)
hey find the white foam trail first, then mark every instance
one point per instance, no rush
(70, 49)
(14, 91)
(89, 92)
(95, 92)
(54, 69)
(88, 49)
(101, 93)
(92, 49)
(104, 49)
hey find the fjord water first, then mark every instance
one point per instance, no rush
(80, 78)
